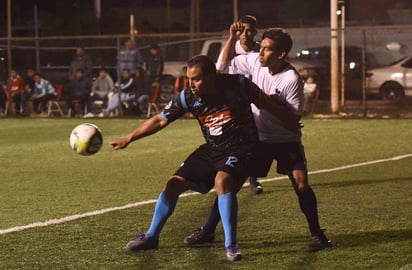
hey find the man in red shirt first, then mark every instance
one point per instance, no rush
(14, 89)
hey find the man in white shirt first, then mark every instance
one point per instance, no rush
(277, 78)
(245, 44)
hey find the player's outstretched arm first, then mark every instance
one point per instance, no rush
(229, 49)
(148, 128)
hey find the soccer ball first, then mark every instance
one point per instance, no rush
(86, 139)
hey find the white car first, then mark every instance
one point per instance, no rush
(392, 82)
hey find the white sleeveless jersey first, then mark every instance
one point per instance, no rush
(287, 84)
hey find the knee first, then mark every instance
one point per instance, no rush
(223, 183)
(300, 181)
(302, 187)
(175, 186)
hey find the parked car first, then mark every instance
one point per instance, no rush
(391, 82)
(320, 57)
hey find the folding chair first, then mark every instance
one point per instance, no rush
(76, 101)
(55, 102)
(153, 100)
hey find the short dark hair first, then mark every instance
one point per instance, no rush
(249, 19)
(281, 37)
(207, 65)
(103, 69)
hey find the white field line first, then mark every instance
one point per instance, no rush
(136, 204)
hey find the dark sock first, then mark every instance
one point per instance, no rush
(308, 205)
(252, 180)
(213, 219)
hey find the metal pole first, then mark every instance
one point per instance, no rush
(119, 107)
(197, 16)
(131, 26)
(98, 13)
(169, 16)
(98, 8)
(192, 26)
(36, 34)
(9, 56)
(235, 11)
(342, 60)
(364, 100)
(334, 95)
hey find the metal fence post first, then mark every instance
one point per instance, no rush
(36, 34)
(365, 108)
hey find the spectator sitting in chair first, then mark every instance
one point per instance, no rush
(311, 94)
(140, 96)
(14, 89)
(100, 89)
(78, 90)
(43, 92)
(28, 89)
(124, 92)
(154, 64)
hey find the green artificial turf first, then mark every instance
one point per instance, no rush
(366, 210)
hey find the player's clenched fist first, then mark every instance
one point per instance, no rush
(236, 29)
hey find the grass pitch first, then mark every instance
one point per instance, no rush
(367, 210)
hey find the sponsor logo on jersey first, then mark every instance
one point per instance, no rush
(215, 119)
(215, 122)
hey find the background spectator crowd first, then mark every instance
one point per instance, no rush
(31, 94)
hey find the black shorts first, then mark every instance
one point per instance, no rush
(289, 157)
(203, 164)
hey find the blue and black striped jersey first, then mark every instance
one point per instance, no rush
(225, 118)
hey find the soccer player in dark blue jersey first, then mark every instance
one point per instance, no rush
(221, 104)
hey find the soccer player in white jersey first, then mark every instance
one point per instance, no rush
(276, 77)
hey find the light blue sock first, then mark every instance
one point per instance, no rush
(228, 212)
(163, 209)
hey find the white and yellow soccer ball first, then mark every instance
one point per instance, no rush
(86, 139)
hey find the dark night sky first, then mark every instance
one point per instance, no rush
(76, 16)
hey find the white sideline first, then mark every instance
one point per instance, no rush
(131, 205)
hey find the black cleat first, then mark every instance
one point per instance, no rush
(142, 242)
(199, 237)
(319, 241)
(232, 253)
(256, 187)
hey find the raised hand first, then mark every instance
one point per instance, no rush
(236, 29)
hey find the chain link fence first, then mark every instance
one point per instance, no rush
(366, 48)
